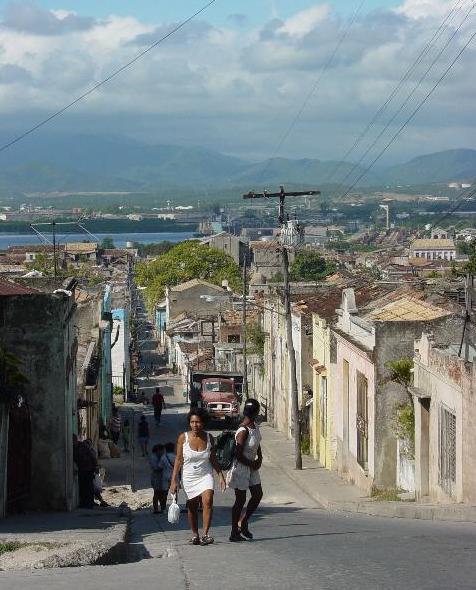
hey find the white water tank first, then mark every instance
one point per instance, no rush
(129, 244)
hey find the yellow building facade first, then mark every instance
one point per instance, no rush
(323, 364)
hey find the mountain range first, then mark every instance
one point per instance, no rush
(48, 163)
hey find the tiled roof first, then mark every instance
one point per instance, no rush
(81, 247)
(9, 288)
(264, 244)
(428, 244)
(33, 248)
(407, 309)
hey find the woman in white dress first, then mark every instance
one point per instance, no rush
(196, 458)
(244, 473)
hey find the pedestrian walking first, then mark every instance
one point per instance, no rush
(156, 479)
(167, 463)
(143, 435)
(159, 404)
(97, 481)
(126, 435)
(196, 457)
(86, 462)
(115, 426)
(244, 473)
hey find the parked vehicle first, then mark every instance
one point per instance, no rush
(219, 393)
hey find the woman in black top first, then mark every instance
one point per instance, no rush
(143, 435)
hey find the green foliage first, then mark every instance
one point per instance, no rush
(306, 445)
(310, 266)
(184, 262)
(9, 547)
(401, 371)
(388, 495)
(433, 274)
(107, 243)
(255, 338)
(117, 390)
(43, 263)
(155, 249)
(404, 426)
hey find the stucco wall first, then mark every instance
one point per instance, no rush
(39, 330)
(450, 382)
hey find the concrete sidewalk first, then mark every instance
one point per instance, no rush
(333, 493)
(64, 539)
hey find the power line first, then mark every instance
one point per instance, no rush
(107, 78)
(409, 96)
(314, 88)
(412, 115)
(424, 51)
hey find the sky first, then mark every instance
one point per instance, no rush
(235, 78)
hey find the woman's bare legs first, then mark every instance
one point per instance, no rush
(192, 513)
(207, 504)
(240, 501)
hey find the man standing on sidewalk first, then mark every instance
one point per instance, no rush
(159, 404)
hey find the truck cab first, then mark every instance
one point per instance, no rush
(219, 396)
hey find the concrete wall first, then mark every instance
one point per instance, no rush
(39, 330)
(450, 383)
(231, 245)
(324, 445)
(346, 409)
(190, 301)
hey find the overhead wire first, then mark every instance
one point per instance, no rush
(313, 89)
(410, 117)
(410, 95)
(107, 79)
(423, 53)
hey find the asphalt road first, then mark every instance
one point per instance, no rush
(297, 545)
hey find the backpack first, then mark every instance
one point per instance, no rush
(225, 448)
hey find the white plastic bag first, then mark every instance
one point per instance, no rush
(173, 515)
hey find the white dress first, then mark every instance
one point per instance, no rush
(242, 477)
(197, 472)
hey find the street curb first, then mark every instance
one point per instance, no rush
(409, 510)
(113, 548)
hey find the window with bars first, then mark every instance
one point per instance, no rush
(447, 450)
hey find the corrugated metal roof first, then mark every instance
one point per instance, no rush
(407, 309)
(9, 288)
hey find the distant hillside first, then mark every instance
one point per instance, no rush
(438, 167)
(48, 163)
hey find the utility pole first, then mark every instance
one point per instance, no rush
(245, 335)
(290, 234)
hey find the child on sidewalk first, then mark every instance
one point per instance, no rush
(156, 477)
(167, 463)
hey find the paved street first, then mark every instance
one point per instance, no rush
(297, 544)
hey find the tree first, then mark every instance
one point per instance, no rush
(107, 243)
(43, 263)
(154, 249)
(310, 266)
(184, 262)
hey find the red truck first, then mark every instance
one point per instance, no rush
(219, 394)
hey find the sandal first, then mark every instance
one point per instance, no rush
(206, 540)
(195, 540)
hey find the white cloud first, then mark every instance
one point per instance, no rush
(221, 86)
(305, 21)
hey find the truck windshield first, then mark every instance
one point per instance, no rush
(220, 386)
